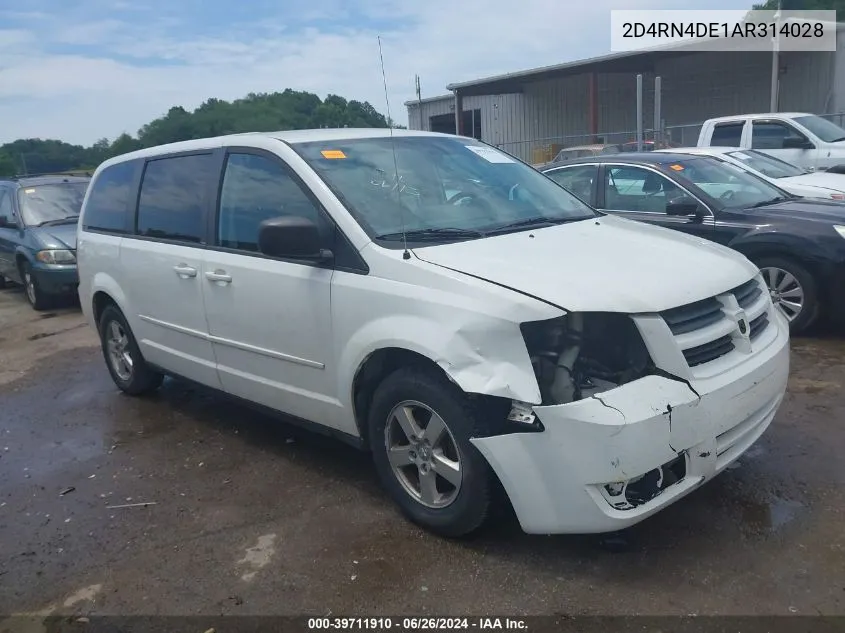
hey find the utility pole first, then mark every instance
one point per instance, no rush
(775, 90)
(419, 100)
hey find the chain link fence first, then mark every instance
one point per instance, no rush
(543, 150)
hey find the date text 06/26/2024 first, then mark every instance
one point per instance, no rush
(712, 30)
(407, 624)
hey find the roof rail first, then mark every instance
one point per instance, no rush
(74, 172)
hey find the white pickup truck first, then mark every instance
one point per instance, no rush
(804, 140)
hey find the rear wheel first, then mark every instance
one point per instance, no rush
(793, 290)
(37, 298)
(127, 367)
(420, 425)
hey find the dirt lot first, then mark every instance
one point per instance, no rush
(254, 517)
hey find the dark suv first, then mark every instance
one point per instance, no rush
(38, 216)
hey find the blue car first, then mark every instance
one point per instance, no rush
(38, 217)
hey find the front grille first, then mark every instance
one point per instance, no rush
(704, 331)
(747, 293)
(757, 325)
(709, 351)
(694, 316)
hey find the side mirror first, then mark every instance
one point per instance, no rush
(684, 208)
(797, 142)
(6, 223)
(291, 237)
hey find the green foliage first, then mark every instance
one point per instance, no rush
(288, 110)
(805, 5)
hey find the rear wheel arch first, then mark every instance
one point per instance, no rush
(100, 301)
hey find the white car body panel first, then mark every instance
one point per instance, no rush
(294, 337)
(630, 258)
(819, 184)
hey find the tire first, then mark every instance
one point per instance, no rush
(37, 298)
(773, 269)
(132, 376)
(453, 510)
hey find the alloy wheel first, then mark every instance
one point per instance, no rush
(120, 357)
(423, 454)
(785, 290)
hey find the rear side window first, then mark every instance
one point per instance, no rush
(727, 134)
(171, 205)
(108, 201)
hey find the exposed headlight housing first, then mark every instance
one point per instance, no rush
(581, 354)
(56, 256)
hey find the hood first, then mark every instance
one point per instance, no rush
(818, 179)
(827, 211)
(61, 236)
(605, 264)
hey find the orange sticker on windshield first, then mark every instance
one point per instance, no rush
(333, 153)
(677, 167)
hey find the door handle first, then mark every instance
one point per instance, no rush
(219, 276)
(185, 271)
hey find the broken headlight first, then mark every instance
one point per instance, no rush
(584, 353)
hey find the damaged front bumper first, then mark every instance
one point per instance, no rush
(596, 467)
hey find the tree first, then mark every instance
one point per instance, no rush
(267, 112)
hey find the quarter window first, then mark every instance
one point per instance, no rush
(173, 193)
(107, 206)
(256, 188)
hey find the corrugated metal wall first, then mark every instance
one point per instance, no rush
(696, 87)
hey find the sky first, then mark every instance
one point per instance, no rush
(90, 69)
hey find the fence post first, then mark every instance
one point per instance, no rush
(639, 113)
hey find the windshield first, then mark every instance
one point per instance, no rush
(457, 187)
(730, 184)
(765, 164)
(49, 203)
(824, 129)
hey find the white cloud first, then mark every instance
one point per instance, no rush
(146, 63)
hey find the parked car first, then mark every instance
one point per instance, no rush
(581, 151)
(806, 140)
(38, 216)
(796, 242)
(324, 274)
(818, 184)
(647, 146)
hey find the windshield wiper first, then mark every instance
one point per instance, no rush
(67, 220)
(533, 223)
(431, 234)
(766, 203)
(836, 140)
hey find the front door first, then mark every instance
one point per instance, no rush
(269, 319)
(640, 193)
(162, 266)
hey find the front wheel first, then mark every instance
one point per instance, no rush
(420, 425)
(127, 367)
(38, 299)
(793, 290)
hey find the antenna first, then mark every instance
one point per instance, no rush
(406, 254)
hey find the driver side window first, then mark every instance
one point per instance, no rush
(639, 190)
(257, 188)
(771, 135)
(6, 205)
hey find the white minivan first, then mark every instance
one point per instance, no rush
(599, 369)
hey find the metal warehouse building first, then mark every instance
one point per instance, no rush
(534, 112)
